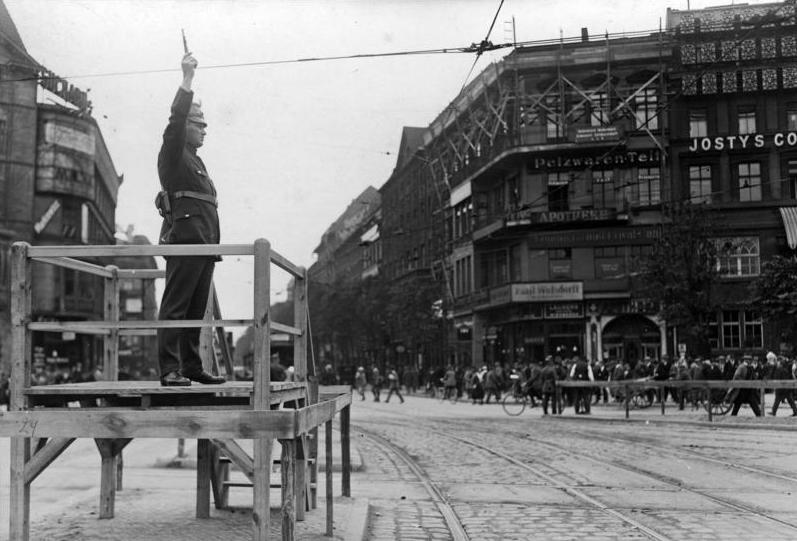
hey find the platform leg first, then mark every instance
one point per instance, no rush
(300, 487)
(107, 478)
(19, 512)
(328, 449)
(345, 450)
(288, 474)
(203, 465)
(120, 465)
(261, 514)
(313, 446)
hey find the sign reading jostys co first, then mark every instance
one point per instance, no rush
(743, 142)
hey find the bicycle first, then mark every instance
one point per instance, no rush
(515, 401)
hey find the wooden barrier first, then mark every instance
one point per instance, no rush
(706, 386)
(43, 421)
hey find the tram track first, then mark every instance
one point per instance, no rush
(453, 523)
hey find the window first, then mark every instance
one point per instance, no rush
(698, 123)
(603, 188)
(646, 103)
(649, 186)
(749, 181)
(731, 329)
(742, 328)
(599, 111)
(463, 284)
(558, 191)
(791, 171)
(700, 184)
(746, 121)
(493, 268)
(553, 118)
(560, 263)
(791, 117)
(609, 262)
(462, 219)
(738, 257)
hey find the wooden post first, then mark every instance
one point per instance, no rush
(763, 406)
(708, 401)
(203, 466)
(261, 517)
(19, 496)
(661, 399)
(627, 401)
(300, 349)
(345, 451)
(107, 477)
(110, 361)
(313, 391)
(328, 448)
(288, 473)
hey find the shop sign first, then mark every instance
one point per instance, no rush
(743, 142)
(548, 291)
(566, 161)
(500, 295)
(598, 237)
(569, 310)
(527, 217)
(597, 134)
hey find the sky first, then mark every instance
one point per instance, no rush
(290, 145)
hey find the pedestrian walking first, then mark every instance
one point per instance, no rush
(745, 396)
(360, 381)
(782, 370)
(491, 385)
(376, 383)
(549, 377)
(393, 385)
(581, 371)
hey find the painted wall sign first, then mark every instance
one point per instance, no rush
(596, 237)
(629, 158)
(743, 142)
(597, 134)
(39, 226)
(526, 216)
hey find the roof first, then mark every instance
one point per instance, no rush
(8, 29)
(411, 139)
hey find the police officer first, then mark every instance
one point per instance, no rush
(188, 204)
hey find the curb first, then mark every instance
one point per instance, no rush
(357, 528)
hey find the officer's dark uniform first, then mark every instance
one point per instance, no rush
(194, 220)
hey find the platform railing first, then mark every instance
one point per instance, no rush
(114, 429)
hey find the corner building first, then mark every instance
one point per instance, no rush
(560, 158)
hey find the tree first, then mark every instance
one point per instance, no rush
(775, 295)
(681, 273)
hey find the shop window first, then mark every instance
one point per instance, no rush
(700, 184)
(746, 121)
(749, 181)
(698, 123)
(610, 262)
(648, 187)
(558, 191)
(738, 257)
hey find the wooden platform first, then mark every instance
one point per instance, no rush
(151, 394)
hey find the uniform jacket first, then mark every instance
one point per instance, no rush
(194, 221)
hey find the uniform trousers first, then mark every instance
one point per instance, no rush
(188, 280)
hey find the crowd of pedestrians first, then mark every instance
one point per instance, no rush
(538, 381)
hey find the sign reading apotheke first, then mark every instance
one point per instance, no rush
(743, 142)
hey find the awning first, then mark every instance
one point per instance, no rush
(789, 215)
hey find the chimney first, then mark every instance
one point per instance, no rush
(584, 34)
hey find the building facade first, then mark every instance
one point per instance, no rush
(58, 185)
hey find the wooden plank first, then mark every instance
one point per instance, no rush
(206, 352)
(93, 327)
(261, 513)
(345, 451)
(107, 478)
(328, 448)
(313, 451)
(75, 264)
(110, 358)
(238, 456)
(300, 479)
(139, 388)
(287, 329)
(203, 468)
(142, 274)
(21, 354)
(317, 414)
(226, 353)
(288, 475)
(262, 321)
(326, 392)
(153, 423)
(283, 263)
(45, 456)
(112, 250)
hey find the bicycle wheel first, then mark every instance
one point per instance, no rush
(720, 406)
(514, 404)
(642, 400)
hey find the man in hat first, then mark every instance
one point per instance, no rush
(188, 205)
(742, 396)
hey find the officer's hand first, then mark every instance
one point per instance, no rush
(189, 65)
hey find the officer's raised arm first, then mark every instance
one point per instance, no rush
(189, 65)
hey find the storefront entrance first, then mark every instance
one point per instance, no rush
(630, 338)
